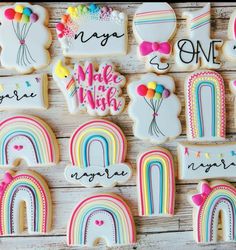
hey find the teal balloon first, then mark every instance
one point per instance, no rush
(27, 11)
(160, 88)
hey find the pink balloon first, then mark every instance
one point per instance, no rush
(60, 26)
(142, 90)
(34, 18)
(9, 14)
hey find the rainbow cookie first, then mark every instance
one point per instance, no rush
(154, 24)
(156, 183)
(24, 37)
(154, 108)
(92, 30)
(229, 47)
(103, 216)
(17, 189)
(97, 154)
(87, 89)
(215, 200)
(205, 106)
(27, 138)
(198, 50)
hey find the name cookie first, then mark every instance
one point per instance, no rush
(87, 89)
(207, 161)
(199, 50)
(156, 183)
(30, 188)
(229, 47)
(24, 92)
(28, 138)
(214, 201)
(104, 216)
(24, 37)
(154, 25)
(205, 106)
(91, 30)
(97, 154)
(154, 108)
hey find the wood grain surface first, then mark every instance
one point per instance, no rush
(152, 233)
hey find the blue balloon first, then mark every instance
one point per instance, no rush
(160, 88)
(27, 11)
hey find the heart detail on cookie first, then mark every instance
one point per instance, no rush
(99, 222)
(18, 147)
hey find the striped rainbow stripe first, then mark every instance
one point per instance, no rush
(199, 21)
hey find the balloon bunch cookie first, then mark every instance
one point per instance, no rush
(24, 37)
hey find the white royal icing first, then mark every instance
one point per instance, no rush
(156, 118)
(24, 92)
(24, 38)
(198, 50)
(206, 161)
(154, 25)
(92, 31)
(86, 88)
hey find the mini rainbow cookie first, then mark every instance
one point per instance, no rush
(24, 187)
(205, 106)
(97, 154)
(104, 216)
(156, 183)
(28, 138)
(214, 200)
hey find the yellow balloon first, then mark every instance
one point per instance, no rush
(152, 85)
(19, 8)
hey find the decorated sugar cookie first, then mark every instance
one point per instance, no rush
(101, 216)
(86, 88)
(24, 92)
(30, 188)
(198, 50)
(27, 138)
(24, 37)
(154, 108)
(92, 30)
(154, 25)
(232, 86)
(213, 203)
(156, 183)
(206, 161)
(205, 106)
(229, 47)
(97, 154)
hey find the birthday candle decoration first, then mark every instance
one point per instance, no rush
(24, 37)
(214, 200)
(29, 138)
(154, 24)
(205, 106)
(97, 154)
(156, 183)
(99, 216)
(28, 187)
(229, 47)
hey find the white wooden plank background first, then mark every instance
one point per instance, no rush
(152, 233)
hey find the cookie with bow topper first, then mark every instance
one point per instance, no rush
(92, 30)
(154, 24)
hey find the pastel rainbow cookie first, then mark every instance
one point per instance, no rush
(104, 216)
(27, 138)
(215, 200)
(156, 183)
(97, 153)
(205, 106)
(29, 188)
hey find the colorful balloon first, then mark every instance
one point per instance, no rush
(157, 96)
(160, 88)
(19, 8)
(152, 85)
(9, 14)
(150, 93)
(27, 11)
(166, 93)
(142, 90)
(25, 18)
(60, 26)
(17, 16)
(34, 18)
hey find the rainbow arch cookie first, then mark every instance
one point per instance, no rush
(214, 200)
(156, 183)
(104, 216)
(24, 187)
(97, 152)
(28, 138)
(205, 106)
